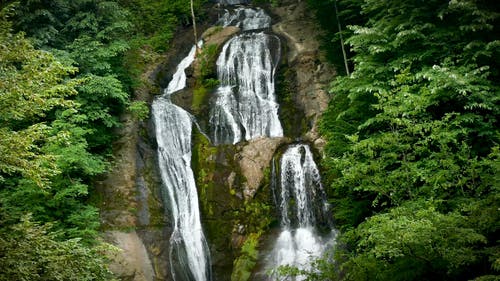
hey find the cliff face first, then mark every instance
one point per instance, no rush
(132, 216)
(232, 181)
(309, 69)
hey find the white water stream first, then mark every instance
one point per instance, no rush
(301, 201)
(232, 2)
(189, 253)
(246, 19)
(245, 105)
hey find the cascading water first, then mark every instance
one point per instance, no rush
(189, 253)
(232, 2)
(245, 108)
(178, 81)
(299, 181)
(245, 105)
(246, 19)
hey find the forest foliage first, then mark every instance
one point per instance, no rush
(413, 140)
(68, 70)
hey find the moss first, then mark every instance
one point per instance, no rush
(244, 264)
(136, 61)
(213, 30)
(202, 152)
(199, 98)
(156, 211)
(126, 229)
(255, 215)
(206, 80)
(292, 117)
(223, 210)
(215, 199)
(207, 60)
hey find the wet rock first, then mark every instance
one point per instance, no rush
(253, 159)
(157, 243)
(132, 216)
(218, 35)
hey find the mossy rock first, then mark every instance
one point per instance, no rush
(244, 264)
(225, 213)
(291, 115)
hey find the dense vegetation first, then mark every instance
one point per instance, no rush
(68, 69)
(413, 140)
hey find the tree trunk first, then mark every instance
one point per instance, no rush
(195, 32)
(341, 38)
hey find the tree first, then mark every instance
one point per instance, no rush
(29, 251)
(412, 242)
(90, 35)
(193, 18)
(413, 141)
(33, 83)
(44, 167)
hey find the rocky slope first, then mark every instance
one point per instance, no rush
(310, 70)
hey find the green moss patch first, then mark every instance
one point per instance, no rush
(247, 260)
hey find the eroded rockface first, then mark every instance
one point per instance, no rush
(232, 180)
(305, 63)
(132, 216)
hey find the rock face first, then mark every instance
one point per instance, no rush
(253, 159)
(132, 216)
(118, 188)
(133, 262)
(312, 73)
(217, 35)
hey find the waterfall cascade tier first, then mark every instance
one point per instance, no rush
(189, 253)
(245, 105)
(178, 81)
(246, 19)
(232, 2)
(298, 181)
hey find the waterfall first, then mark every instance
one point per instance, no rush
(246, 19)
(232, 2)
(189, 253)
(298, 181)
(245, 105)
(178, 81)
